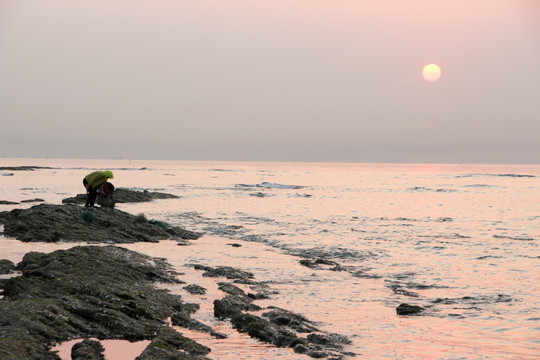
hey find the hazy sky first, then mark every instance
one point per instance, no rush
(288, 80)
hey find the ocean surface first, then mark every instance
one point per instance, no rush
(462, 241)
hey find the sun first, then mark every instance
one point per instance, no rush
(431, 72)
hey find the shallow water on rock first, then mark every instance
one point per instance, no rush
(459, 240)
(114, 349)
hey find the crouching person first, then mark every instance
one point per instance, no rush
(94, 181)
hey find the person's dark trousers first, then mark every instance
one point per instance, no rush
(91, 194)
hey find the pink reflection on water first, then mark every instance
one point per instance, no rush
(463, 228)
(114, 349)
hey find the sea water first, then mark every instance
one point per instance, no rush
(462, 241)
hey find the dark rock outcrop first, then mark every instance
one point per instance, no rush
(125, 196)
(32, 200)
(6, 266)
(265, 330)
(86, 291)
(195, 289)
(171, 345)
(323, 264)
(287, 318)
(406, 309)
(72, 223)
(87, 350)
(225, 271)
(277, 326)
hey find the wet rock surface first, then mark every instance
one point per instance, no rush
(275, 326)
(107, 292)
(322, 264)
(183, 319)
(171, 345)
(72, 223)
(407, 309)
(225, 271)
(125, 196)
(195, 289)
(87, 350)
(6, 266)
(86, 291)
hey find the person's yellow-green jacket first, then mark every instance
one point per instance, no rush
(98, 178)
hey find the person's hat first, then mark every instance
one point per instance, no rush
(108, 174)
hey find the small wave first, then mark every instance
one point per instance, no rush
(445, 190)
(518, 238)
(444, 219)
(417, 286)
(474, 300)
(223, 231)
(302, 195)
(331, 253)
(447, 236)
(259, 194)
(426, 189)
(478, 186)
(262, 239)
(496, 175)
(269, 185)
(488, 257)
(419, 188)
(257, 219)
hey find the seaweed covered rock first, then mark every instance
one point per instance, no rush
(125, 196)
(264, 330)
(72, 223)
(225, 271)
(276, 326)
(171, 345)
(6, 266)
(195, 289)
(86, 291)
(287, 318)
(87, 350)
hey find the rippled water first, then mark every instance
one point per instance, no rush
(459, 240)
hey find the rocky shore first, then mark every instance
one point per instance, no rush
(125, 196)
(108, 292)
(86, 291)
(72, 223)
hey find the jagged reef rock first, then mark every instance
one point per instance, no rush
(72, 223)
(171, 345)
(277, 326)
(103, 292)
